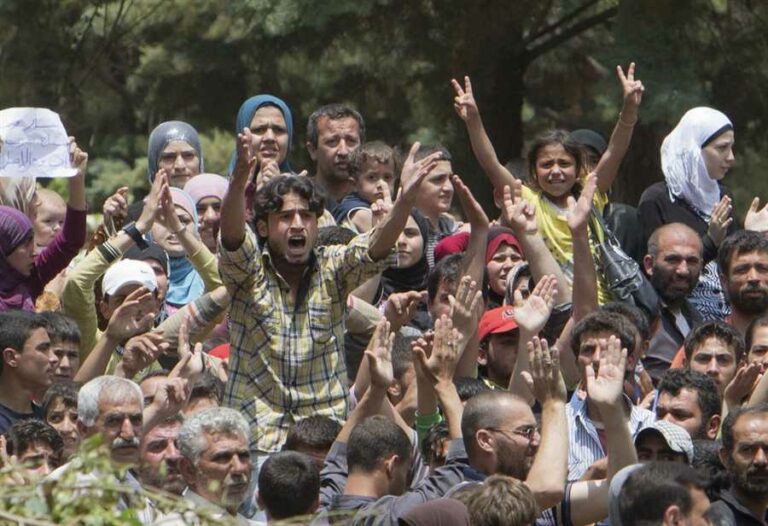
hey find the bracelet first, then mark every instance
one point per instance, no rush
(136, 235)
(627, 124)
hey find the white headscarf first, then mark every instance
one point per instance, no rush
(683, 164)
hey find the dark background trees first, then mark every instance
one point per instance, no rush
(116, 68)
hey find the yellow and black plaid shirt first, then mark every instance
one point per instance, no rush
(287, 361)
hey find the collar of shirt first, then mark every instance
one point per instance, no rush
(729, 498)
(578, 403)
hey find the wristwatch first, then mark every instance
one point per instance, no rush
(136, 235)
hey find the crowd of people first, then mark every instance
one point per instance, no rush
(343, 345)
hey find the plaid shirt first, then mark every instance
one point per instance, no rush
(287, 361)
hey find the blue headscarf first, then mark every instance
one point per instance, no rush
(165, 133)
(245, 116)
(184, 283)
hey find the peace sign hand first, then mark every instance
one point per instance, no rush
(464, 102)
(633, 89)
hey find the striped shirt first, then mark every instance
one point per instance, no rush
(584, 443)
(287, 360)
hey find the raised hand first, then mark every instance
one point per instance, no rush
(269, 170)
(544, 379)
(381, 207)
(77, 158)
(441, 363)
(401, 307)
(190, 363)
(116, 205)
(133, 317)
(745, 380)
(466, 307)
(579, 211)
(720, 220)
(246, 159)
(464, 103)
(166, 214)
(414, 172)
(379, 355)
(756, 220)
(532, 314)
(152, 202)
(518, 213)
(606, 386)
(141, 351)
(632, 89)
(473, 212)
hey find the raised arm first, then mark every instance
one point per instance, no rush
(384, 236)
(233, 206)
(589, 499)
(466, 310)
(549, 470)
(608, 167)
(521, 216)
(466, 108)
(584, 275)
(79, 160)
(531, 316)
(474, 255)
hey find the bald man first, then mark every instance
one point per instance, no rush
(673, 264)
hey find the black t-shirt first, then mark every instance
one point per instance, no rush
(8, 417)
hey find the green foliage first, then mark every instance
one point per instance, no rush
(87, 494)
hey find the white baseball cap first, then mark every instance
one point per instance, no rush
(128, 272)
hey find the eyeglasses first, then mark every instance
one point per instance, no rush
(526, 432)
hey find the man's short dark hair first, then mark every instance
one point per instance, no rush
(402, 355)
(650, 490)
(602, 321)
(425, 150)
(24, 434)
(64, 391)
(741, 242)
(333, 112)
(714, 329)
(61, 328)
(313, 432)
(208, 385)
(501, 500)
(15, 328)
(733, 416)
(334, 235)
(289, 484)
(707, 395)
(482, 411)
(448, 270)
(269, 198)
(749, 337)
(372, 441)
(468, 387)
(637, 316)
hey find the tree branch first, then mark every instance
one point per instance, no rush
(567, 34)
(555, 26)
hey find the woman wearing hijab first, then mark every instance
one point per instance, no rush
(193, 268)
(412, 268)
(208, 191)
(695, 157)
(24, 275)
(271, 125)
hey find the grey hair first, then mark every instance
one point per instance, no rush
(113, 387)
(191, 439)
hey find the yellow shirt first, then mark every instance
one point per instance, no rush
(553, 227)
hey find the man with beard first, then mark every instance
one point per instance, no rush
(691, 400)
(159, 458)
(673, 264)
(743, 261)
(745, 456)
(334, 131)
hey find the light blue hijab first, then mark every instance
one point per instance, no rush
(184, 283)
(245, 116)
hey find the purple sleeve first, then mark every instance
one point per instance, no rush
(60, 252)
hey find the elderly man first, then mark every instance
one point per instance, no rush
(215, 463)
(159, 458)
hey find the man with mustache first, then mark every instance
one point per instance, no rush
(745, 456)
(216, 463)
(743, 262)
(159, 458)
(673, 264)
